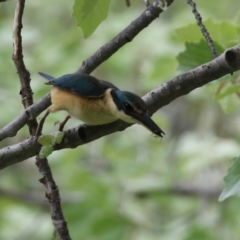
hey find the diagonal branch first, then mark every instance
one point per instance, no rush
(127, 35)
(226, 63)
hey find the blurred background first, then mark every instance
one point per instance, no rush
(128, 185)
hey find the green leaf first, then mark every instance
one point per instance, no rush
(232, 181)
(46, 140)
(196, 54)
(45, 151)
(58, 137)
(89, 14)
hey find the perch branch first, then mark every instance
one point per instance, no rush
(226, 63)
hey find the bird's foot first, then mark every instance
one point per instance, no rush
(62, 124)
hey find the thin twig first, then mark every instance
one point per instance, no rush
(53, 196)
(203, 28)
(24, 75)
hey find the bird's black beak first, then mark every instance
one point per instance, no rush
(147, 122)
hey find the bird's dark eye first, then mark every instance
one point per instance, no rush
(127, 106)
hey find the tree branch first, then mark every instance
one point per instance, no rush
(52, 192)
(226, 63)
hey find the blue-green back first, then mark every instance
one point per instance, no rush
(81, 84)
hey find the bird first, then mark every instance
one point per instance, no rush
(95, 102)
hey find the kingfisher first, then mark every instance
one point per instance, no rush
(95, 102)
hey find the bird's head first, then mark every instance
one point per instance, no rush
(132, 109)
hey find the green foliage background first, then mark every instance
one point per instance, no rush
(122, 186)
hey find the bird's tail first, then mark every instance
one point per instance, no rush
(48, 77)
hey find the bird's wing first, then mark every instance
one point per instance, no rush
(81, 84)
